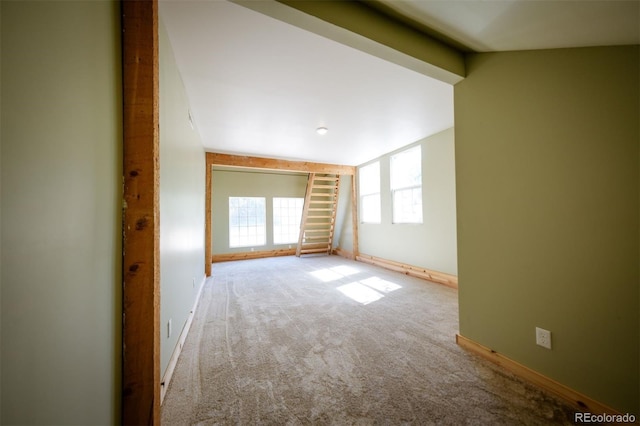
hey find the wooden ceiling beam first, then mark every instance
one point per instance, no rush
(216, 159)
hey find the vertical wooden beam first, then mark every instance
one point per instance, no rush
(208, 249)
(354, 214)
(141, 257)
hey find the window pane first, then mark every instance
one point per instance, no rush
(407, 205)
(370, 208)
(247, 221)
(406, 185)
(287, 213)
(406, 168)
(370, 179)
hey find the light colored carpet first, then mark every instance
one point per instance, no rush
(297, 341)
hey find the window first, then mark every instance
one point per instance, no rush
(287, 213)
(370, 193)
(247, 221)
(406, 186)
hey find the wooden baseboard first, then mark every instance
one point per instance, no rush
(252, 255)
(168, 374)
(577, 400)
(414, 271)
(343, 253)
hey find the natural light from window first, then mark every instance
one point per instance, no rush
(380, 284)
(247, 221)
(333, 274)
(360, 293)
(287, 213)
(406, 186)
(363, 291)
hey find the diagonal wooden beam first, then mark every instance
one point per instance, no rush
(141, 257)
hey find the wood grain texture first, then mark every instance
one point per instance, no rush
(354, 215)
(141, 257)
(414, 271)
(217, 159)
(305, 212)
(578, 400)
(252, 255)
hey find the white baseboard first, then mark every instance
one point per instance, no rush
(168, 374)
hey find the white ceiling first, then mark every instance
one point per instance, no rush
(260, 86)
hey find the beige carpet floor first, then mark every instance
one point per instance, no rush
(324, 340)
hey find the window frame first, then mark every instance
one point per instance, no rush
(401, 186)
(256, 242)
(295, 225)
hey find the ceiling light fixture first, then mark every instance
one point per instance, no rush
(322, 130)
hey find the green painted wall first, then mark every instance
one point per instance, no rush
(182, 200)
(547, 148)
(431, 244)
(366, 28)
(236, 183)
(344, 223)
(61, 203)
(0, 217)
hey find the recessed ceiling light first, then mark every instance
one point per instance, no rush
(322, 130)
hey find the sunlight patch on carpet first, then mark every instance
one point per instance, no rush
(360, 293)
(368, 290)
(380, 284)
(333, 274)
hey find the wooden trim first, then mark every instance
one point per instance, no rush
(354, 215)
(414, 271)
(208, 248)
(168, 374)
(305, 212)
(252, 255)
(141, 210)
(216, 159)
(577, 400)
(343, 253)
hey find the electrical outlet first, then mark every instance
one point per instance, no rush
(169, 328)
(543, 338)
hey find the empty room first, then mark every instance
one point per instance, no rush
(320, 212)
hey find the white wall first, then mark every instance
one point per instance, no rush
(61, 209)
(182, 196)
(431, 244)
